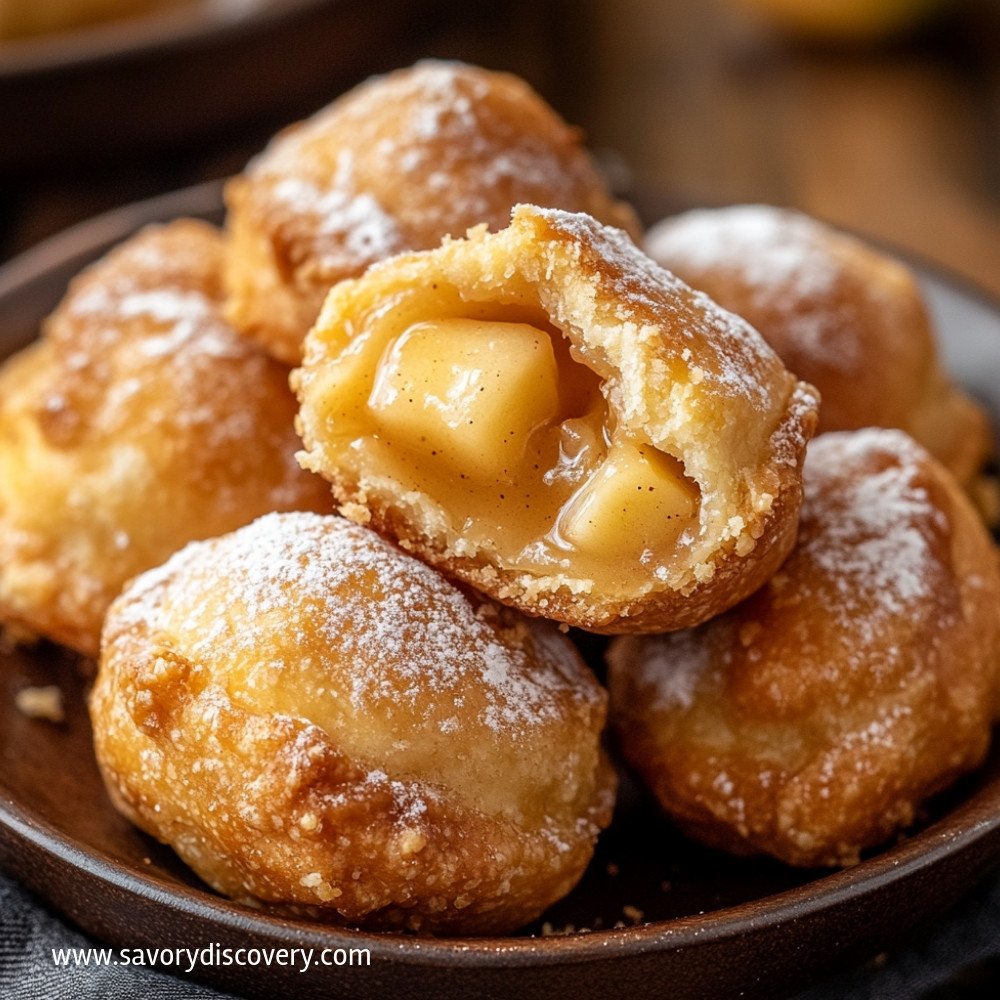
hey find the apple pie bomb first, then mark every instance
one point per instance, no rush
(316, 720)
(396, 164)
(813, 720)
(140, 421)
(545, 414)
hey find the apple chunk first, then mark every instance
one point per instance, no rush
(470, 392)
(638, 499)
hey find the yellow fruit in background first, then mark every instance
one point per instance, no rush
(843, 20)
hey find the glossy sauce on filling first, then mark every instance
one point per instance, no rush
(486, 410)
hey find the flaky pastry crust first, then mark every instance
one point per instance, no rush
(396, 164)
(814, 719)
(314, 720)
(844, 317)
(676, 372)
(139, 422)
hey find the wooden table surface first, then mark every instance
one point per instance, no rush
(902, 140)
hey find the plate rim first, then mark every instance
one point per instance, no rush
(893, 865)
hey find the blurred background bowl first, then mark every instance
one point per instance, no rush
(160, 79)
(103, 115)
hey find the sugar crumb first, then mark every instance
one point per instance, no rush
(44, 703)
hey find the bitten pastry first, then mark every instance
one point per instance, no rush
(315, 720)
(812, 721)
(139, 422)
(396, 164)
(547, 415)
(844, 317)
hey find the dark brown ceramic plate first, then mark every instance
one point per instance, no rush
(710, 926)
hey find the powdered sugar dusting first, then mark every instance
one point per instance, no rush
(152, 393)
(460, 137)
(350, 226)
(183, 316)
(868, 525)
(443, 109)
(670, 668)
(145, 326)
(405, 633)
(420, 154)
(734, 355)
(673, 670)
(779, 258)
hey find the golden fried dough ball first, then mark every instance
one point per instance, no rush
(315, 720)
(842, 316)
(811, 721)
(396, 164)
(547, 415)
(139, 422)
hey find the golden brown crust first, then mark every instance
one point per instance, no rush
(314, 720)
(811, 721)
(841, 315)
(139, 422)
(397, 164)
(678, 373)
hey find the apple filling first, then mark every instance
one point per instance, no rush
(486, 411)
